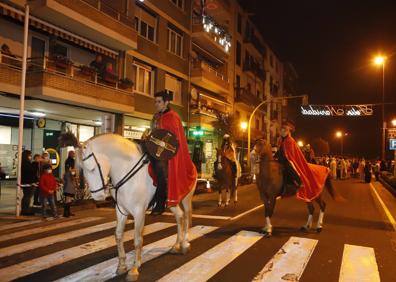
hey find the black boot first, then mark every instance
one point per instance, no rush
(66, 210)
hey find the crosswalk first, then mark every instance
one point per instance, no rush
(21, 258)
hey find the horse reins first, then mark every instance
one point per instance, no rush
(131, 173)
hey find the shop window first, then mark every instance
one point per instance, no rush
(143, 78)
(145, 24)
(174, 84)
(5, 135)
(175, 42)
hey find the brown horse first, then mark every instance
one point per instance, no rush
(226, 179)
(270, 184)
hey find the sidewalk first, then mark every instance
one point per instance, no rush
(387, 198)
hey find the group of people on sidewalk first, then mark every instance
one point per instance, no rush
(40, 185)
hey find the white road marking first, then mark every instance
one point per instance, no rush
(30, 245)
(289, 262)
(40, 263)
(107, 270)
(42, 229)
(247, 212)
(386, 210)
(204, 216)
(20, 224)
(358, 264)
(212, 261)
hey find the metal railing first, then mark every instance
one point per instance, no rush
(10, 60)
(110, 11)
(66, 68)
(202, 65)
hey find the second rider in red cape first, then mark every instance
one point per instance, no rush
(177, 176)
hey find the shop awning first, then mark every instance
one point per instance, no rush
(16, 14)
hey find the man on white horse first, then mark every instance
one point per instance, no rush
(177, 176)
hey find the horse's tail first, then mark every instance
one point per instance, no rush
(333, 193)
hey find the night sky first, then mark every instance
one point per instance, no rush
(332, 44)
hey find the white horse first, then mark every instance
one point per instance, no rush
(110, 156)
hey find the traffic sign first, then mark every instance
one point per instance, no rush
(392, 144)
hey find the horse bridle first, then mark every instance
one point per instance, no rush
(135, 169)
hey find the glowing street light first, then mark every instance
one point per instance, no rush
(340, 135)
(394, 122)
(380, 61)
(244, 125)
(300, 143)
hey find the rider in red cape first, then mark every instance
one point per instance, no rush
(179, 172)
(312, 177)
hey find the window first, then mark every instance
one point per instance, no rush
(178, 3)
(5, 135)
(175, 42)
(174, 84)
(145, 24)
(271, 61)
(258, 94)
(61, 50)
(238, 53)
(239, 23)
(86, 132)
(238, 81)
(144, 79)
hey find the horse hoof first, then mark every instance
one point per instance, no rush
(121, 270)
(219, 204)
(266, 234)
(175, 250)
(319, 229)
(186, 249)
(304, 229)
(132, 275)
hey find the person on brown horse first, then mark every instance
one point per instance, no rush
(291, 175)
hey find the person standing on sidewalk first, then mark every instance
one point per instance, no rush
(28, 182)
(69, 184)
(48, 187)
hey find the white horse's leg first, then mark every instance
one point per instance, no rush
(133, 274)
(268, 226)
(319, 225)
(227, 197)
(219, 200)
(119, 235)
(187, 206)
(311, 210)
(179, 215)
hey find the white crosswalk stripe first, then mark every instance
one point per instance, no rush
(106, 270)
(289, 262)
(359, 264)
(31, 245)
(34, 265)
(42, 229)
(212, 261)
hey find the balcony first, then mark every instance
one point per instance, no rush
(254, 68)
(210, 36)
(209, 78)
(242, 95)
(92, 19)
(62, 81)
(255, 42)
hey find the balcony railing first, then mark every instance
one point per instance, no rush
(110, 11)
(243, 95)
(204, 66)
(254, 67)
(63, 66)
(255, 42)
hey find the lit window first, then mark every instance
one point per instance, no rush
(175, 42)
(174, 84)
(144, 79)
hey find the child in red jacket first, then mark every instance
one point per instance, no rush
(47, 190)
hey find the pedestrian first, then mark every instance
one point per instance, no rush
(28, 182)
(376, 170)
(36, 167)
(333, 168)
(48, 187)
(367, 172)
(362, 165)
(69, 185)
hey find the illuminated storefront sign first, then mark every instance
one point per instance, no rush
(337, 110)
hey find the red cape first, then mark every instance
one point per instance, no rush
(182, 173)
(312, 176)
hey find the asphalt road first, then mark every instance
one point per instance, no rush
(358, 239)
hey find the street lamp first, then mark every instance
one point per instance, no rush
(244, 126)
(340, 135)
(300, 143)
(394, 122)
(380, 61)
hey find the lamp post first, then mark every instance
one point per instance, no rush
(244, 126)
(340, 135)
(380, 61)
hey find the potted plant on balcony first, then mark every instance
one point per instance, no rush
(126, 83)
(61, 61)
